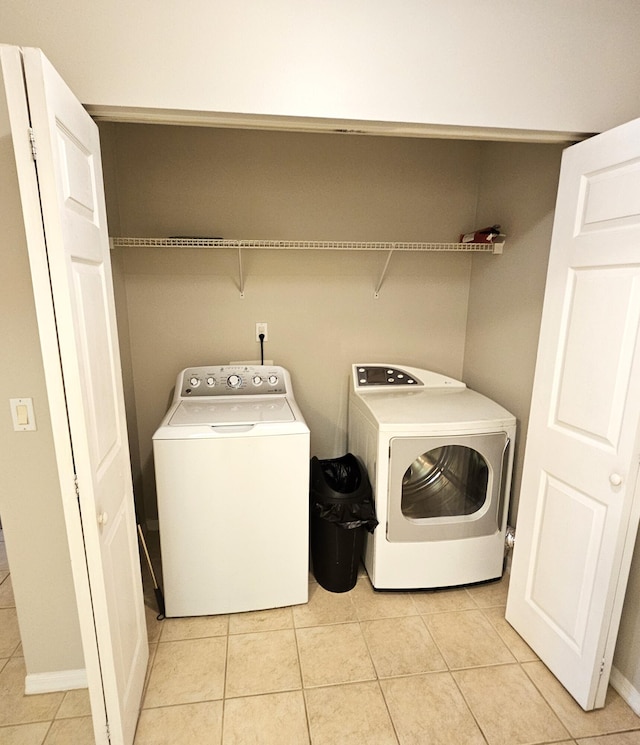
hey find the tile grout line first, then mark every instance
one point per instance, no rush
(468, 705)
(384, 698)
(449, 670)
(224, 679)
(303, 689)
(515, 660)
(548, 701)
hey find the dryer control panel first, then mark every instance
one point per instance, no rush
(372, 377)
(383, 375)
(232, 380)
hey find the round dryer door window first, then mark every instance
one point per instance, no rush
(445, 488)
(444, 482)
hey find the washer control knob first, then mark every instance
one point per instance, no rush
(211, 381)
(256, 380)
(273, 379)
(194, 381)
(233, 381)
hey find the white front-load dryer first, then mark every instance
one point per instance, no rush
(439, 458)
(232, 477)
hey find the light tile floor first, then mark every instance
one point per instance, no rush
(359, 668)
(365, 667)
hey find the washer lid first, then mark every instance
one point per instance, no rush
(199, 412)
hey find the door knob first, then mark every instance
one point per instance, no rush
(615, 479)
(102, 518)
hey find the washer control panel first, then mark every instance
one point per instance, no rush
(232, 380)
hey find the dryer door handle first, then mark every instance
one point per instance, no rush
(504, 481)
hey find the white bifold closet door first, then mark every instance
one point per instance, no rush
(60, 179)
(579, 503)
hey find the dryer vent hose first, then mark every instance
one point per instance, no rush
(510, 538)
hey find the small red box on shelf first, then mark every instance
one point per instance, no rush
(484, 235)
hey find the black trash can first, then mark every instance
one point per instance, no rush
(341, 509)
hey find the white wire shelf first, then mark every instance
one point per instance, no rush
(307, 245)
(238, 245)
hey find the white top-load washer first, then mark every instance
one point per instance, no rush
(232, 477)
(439, 458)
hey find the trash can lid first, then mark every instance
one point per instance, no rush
(339, 479)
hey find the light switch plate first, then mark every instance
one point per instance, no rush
(22, 414)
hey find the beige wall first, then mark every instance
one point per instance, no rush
(185, 309)
(545, 65)
(30, 500)
(627, 655)
(251, 184)
(184, 306)
(519, 184)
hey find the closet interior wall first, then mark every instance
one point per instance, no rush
(469, 316)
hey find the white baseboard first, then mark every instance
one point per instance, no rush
(626, 690)
(60, 680)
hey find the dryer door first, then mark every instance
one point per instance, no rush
(445, 488)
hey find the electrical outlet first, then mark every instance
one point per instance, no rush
(261, 328)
